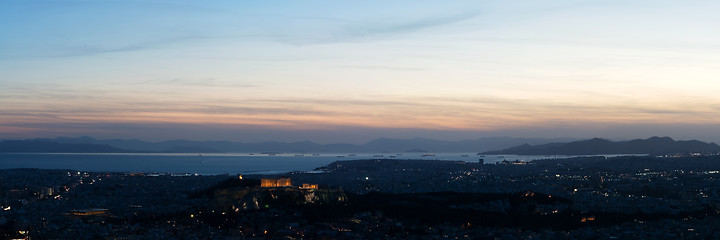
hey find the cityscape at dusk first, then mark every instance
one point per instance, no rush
(319, 120)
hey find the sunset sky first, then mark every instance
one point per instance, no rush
(342, 71)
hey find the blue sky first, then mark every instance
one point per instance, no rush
(351, 71)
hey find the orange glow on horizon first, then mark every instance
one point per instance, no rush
(470, 120)
(435, 113)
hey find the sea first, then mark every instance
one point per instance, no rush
(221, 163)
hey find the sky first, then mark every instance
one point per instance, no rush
(352, 71)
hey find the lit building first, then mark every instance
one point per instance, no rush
(309, 186)
(275, 182)
(587, 219)
(89, 212)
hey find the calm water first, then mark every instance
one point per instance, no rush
(216, 163)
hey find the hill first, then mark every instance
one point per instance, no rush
(22, 146)
(653, 146)
(374, 146)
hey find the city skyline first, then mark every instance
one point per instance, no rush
(351, 72)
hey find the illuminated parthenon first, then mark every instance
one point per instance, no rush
(284, 182)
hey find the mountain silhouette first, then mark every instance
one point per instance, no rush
(35, 146)
(653, 146)
(374, 146)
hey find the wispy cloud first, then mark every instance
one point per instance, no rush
(185, 81)
(376, 67)
(383, 110)
(406, 26)
(95, 48)
(373, 30)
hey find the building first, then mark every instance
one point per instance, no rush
(275, 182)
(309, 186)
(89, 212)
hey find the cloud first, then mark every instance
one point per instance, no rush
(403, 27)
(184, 81)
(431, 112)
(369, 30)
(377, 67)
(62, 29)
(94, 48)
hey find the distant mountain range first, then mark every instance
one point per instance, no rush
(523, 146)
(56, 147)
(92, 145)
(653, 146)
